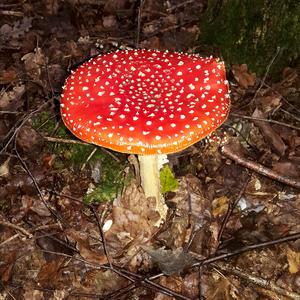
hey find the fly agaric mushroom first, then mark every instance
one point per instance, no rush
(146, 102)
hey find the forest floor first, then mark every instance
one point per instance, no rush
(73, 222)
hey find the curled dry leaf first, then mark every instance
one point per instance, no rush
(243, 76)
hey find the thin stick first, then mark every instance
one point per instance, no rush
(88, 159)
(289, 114)
(139, 24)
(40, 194)
(231, 208)
(101, 235)
(16, 227)
(266, 74)
(266, 284)
(265, 120)
(75, 142)
(210, 260)
(258, 168)
(9, 239)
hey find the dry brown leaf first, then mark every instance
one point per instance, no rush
(220, 206)
(10, 100)
(268, 132)
(174, 283)
(4, 168)
(293, 258)
(287, 168)
(244, 77)
(269, 103)
(133, 218)
(170, 262)
(8, 75)
(82, 244)
(34, 62)
(50, 273)
(30, 142)
(33, 294)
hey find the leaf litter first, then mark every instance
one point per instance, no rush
(68, 253)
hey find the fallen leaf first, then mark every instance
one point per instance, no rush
(293, 260)
(269, 134)
(220, 206)
(10, 100)
(34, 62)
(244, 77)
(84, 248)
(8, 75)
(50, 273)
(4, 168)
(170, 261)
(287, 168)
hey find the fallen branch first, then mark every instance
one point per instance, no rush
(258, 168)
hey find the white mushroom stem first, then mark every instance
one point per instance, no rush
(150, 180)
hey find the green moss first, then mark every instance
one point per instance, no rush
(46, 123)
(112, 178)
(251, 31)
(168, 181)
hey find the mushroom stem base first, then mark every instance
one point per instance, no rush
(149, 171)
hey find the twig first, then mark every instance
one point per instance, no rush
(172, 8)
(88, 159)
(259, 168)
(266, 284)
(7, 291)
(101, 235)
(231, 208)
(69, 141)
(134, 278)
(266, 74)
(11, 13)
(40, 194)
(265, 120)
(210, 260)
(139, 23)
(9, 239)
(16, 130)
(16, 227)
(290, 114)
(9, 112)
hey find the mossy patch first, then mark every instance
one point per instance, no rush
(168, 181)
(252, 31)
(112, 178)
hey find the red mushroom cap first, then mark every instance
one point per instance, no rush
(145, 101)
